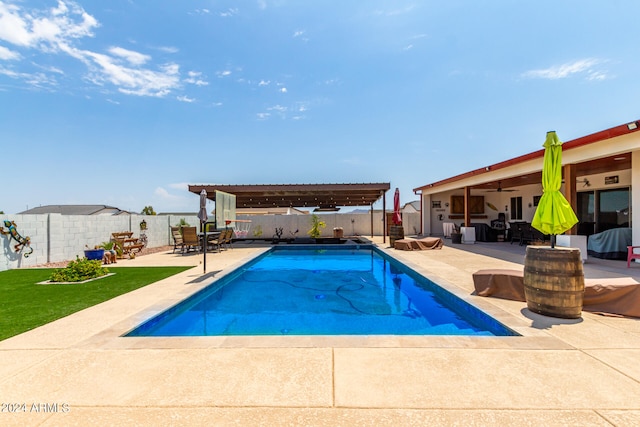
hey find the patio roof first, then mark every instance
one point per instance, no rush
(484, 178)
(323, 196)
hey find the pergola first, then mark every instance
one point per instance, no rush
(322, 197)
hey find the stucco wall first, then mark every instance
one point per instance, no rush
(56, 237)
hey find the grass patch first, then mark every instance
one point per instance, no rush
(24, 305)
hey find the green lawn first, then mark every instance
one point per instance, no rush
(24, 305)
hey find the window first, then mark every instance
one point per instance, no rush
(476, 205)
(516, 208)
(613, 209)
(601, 210)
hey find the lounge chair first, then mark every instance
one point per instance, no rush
(190, 239)
(611, 296)
(177, 239)
(418, 244)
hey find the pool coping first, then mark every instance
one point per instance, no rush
(530, 338)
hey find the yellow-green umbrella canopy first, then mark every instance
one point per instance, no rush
(554, 214)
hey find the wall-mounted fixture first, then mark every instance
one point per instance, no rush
(632, 125)
(585, 182)
(487, 168)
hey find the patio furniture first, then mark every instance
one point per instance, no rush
(610, 244)
(216, 240)
(515, 231)
(499, 227)
(177, 239)
(448, 228)
(418, 244)
(190, 239)
(127, 244)
(607, 296)
(631, 254)
(228, 237)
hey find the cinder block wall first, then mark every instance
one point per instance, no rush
(56, 237)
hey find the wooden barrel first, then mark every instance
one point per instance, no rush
(554, 281)
(396, 232)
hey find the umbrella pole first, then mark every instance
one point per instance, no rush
(553, 241)
(204, 248)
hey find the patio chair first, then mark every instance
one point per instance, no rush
(228, 237)
(190, 239)
(217, 242)
(631, 254)
(177, 239)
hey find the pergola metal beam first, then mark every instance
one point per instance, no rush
(326, 196)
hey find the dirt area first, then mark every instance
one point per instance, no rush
(143, 252)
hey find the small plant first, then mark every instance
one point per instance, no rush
(79, 270)
(257, 232)
(182, 223)
(316, 226)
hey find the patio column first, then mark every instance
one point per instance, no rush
(467, 208)
(635, 198)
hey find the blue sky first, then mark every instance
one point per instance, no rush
(126, 102)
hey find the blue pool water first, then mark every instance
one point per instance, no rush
(330, 291)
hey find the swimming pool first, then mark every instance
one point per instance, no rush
(354, 290)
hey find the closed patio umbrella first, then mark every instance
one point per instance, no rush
(202, 215)
(554, 214)
(553, 278)
(397, 219)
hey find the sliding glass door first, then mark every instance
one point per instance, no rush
(602, 210)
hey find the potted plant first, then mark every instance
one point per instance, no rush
(93, 254)
(316, 226)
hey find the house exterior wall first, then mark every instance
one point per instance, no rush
(432, 224)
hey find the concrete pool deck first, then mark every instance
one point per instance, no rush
(79, 371)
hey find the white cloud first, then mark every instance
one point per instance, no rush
(223, 73)
(264, 83)
(56, 31)
(278, 108)
(566, 70)
(132, 57)
(185, 98)
(38, 80)
(7, 54)
(298, 33)
(48, 30)
(282, 90)
(179, 186)
(263, 116)
(132, 81)
(193, 78)
(168, 49)
(229, 12)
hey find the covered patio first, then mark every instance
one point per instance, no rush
(318, 197)
(598, 177)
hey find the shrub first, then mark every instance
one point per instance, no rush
(79, 270)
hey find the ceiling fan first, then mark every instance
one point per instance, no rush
(499, 189)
